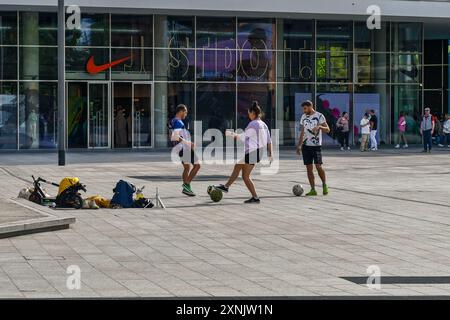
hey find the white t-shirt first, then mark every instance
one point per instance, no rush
(365, 129)
(310, 122)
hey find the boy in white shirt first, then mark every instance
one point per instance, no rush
(365, 132)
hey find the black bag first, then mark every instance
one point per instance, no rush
(143, 203)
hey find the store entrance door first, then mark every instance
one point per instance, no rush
(98, 106)
(132, 110)
(88, 115)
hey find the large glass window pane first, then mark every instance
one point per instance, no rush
(216, 65)
(256, 33)
(433, 99)
(174, 65)
(331, 101)
(407, 68)
(334, 34)
(433, 77)
(216, 106)
(371, 67)
(38, 115)
(264, 94)
(407, 99)
(38, 28)
(8, 28)
(373, 40)
(434, 51)
(298, 34)
(407, 37)
(142, 127)
(174, 32)
(297, 66)
(76, 62)
(94, 31)
(98, 115)
(256, 65)
(167, 97)
(131, 31)
(38, 63)
(289, 110)
(8, 115)
(123, 114)
(334, 66)
(138, 67)
(77, 115)
(8, 63)
(217, 33)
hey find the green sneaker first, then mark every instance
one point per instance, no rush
(325, 189)
(313, 192)
(187, 190)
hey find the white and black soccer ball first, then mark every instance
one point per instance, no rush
(297, 190)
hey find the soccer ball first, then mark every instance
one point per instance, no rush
(297, 190)
(215, 194)
(209, 189)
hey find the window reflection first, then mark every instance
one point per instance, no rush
(94, 31)
(8, 115)
(216, 33)
(264, 94)
(297, 34)
(37, 115)
(217, 65)
(131, 31)
(174, 32)
(216, 106)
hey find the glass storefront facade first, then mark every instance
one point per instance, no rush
(216, 66)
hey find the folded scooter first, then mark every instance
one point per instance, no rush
(70, 197)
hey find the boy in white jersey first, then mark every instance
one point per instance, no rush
(310, 144)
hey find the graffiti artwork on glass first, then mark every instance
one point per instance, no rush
(77, 115)
(331, 105)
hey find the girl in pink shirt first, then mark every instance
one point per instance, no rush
(401, 124)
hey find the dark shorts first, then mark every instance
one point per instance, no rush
(312, 155)
(192, 159)
(253, 157)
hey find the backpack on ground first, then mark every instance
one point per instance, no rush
(123, 194)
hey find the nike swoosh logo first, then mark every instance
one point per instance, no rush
(92, 68)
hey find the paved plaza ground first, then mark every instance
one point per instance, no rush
(389, 209)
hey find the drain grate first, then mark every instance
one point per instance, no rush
(403, 280)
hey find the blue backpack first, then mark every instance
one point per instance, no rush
(123, 194)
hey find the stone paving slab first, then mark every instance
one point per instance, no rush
(389, 209)
(19, 217)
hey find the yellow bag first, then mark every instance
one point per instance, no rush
(100, 201)
(66, 183)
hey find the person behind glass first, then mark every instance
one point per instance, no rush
(439, 129)
(373, 130)
(365, 132)
(426, 130)
(401, 125)
(344, 130)
(446, 129)
(256, 137)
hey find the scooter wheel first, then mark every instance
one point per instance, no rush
(72, 201)
(77, 202)
(35, 198)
